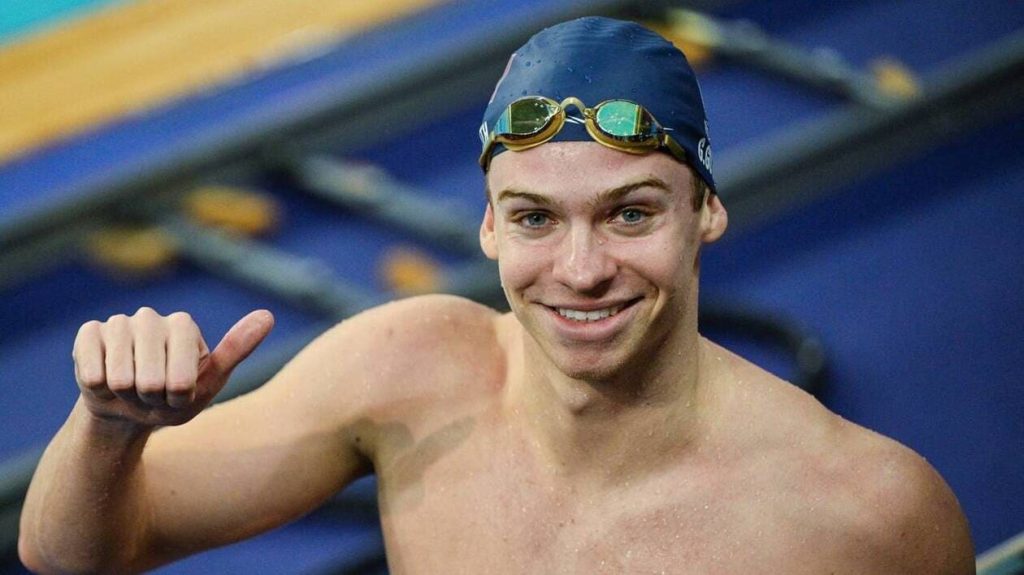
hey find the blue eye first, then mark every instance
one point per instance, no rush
(535, 220)
(632, 216)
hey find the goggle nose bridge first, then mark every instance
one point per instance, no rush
(588, 113)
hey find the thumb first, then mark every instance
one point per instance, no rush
(236, 345)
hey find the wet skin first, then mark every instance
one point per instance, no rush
(590, 430)
(576, 226)
(627, 443)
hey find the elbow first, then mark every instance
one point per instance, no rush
(30, 557)
(37, 561)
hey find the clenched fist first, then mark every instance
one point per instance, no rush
(152, 370)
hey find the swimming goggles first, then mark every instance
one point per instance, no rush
(619, 124)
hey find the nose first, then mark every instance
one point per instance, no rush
(583, 262)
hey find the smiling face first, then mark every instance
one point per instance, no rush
(598, 252)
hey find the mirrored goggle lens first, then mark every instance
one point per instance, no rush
(624, 120)
(524, 118)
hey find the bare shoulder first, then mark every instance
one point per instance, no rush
(408, 348)
(422, 324)
(897, 511)
(877, 503)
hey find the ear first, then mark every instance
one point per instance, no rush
(713, 219)
(487, 234)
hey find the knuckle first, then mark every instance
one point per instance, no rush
(182, 317)
(120, 383)
(91, 381)
(115, 324)
(149, 383)
(180, 385)
(144, 317)
(88, 332)
(117, 318)
(182, 321)
(89, 328)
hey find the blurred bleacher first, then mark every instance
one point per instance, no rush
(868, 153)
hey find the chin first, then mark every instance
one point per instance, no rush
(587, 373)
(587, 366)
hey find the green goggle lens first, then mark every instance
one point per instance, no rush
(623, 119)
(524, 118)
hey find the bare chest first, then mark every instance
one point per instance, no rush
(489, 507)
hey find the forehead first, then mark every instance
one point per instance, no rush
(582, 169)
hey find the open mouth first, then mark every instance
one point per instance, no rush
(585, 316)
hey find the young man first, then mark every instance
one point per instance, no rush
(592, 430)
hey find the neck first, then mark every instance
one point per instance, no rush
(622, 425)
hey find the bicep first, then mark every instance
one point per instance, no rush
(250, 464)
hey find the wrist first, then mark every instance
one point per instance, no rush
(110, 431)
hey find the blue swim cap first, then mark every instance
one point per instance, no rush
(597, 59)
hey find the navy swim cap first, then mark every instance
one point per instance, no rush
(597, 59)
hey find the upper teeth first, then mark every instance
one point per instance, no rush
(595, 315)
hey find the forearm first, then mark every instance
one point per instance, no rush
(85, 508)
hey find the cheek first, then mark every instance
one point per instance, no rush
(664, 261)
(520, 266)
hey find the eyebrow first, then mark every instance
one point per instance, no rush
(607, 196)
(615, 194)
(511, 194)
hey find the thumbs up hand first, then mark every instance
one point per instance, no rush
(153, 370)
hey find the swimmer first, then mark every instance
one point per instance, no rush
(590, 430)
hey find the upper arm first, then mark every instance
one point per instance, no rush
(272, 455)
(939, 539)
(914, 523)
(255, 462)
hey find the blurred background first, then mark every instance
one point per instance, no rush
(317, 158)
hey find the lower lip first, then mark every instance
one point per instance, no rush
(591, 331)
